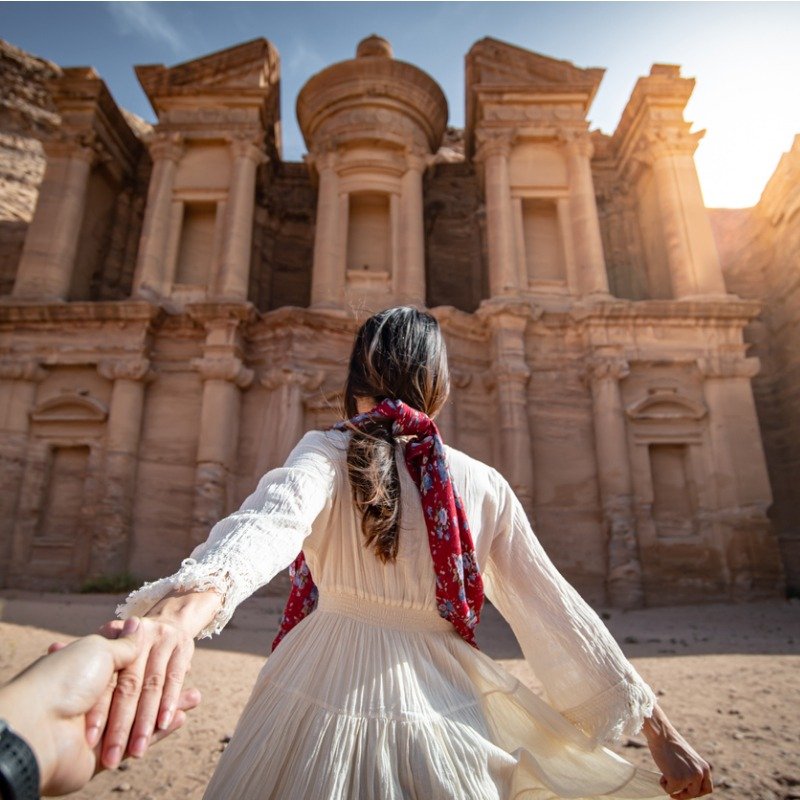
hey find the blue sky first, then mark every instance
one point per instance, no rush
(744, 56)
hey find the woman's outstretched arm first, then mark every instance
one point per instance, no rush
(583, 670)
(243, 552)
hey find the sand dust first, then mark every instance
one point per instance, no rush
(728, 676)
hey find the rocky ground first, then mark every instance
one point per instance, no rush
(728, 676)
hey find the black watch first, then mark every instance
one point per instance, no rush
(19, 770)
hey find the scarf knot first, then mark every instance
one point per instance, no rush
(459, 587)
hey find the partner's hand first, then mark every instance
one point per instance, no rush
(48, 702)
(146, 695)
(684, 773)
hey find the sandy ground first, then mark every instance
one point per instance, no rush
(728, 676)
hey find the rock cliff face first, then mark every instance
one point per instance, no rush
(760, 252)
(27, 114)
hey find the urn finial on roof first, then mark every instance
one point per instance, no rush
(374, 45)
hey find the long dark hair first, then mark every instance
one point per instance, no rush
(399, 354)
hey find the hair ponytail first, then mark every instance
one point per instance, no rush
(398, 353)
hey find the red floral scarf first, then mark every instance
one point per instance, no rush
(459, 587)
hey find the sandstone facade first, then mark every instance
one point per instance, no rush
(760, 251)
(185, 301)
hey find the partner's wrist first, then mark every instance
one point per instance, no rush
(20, 706)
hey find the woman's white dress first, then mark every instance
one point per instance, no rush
(374, 695)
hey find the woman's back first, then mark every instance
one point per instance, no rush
(338, 559)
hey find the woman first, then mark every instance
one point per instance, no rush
(379, 691)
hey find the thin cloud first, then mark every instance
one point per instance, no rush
(303, 59)
(144, 19)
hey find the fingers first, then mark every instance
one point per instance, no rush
(122, 713)
(110, 630)
(128, 643)
(149, 701)
(97, 715)
(188, 700)
(179, 664)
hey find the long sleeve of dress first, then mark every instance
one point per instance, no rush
(584, 672)
(246, 549)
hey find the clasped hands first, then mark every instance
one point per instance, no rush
(62, 704)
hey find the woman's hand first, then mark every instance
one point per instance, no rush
(684, 774)
(145, 697)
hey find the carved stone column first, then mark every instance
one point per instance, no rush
(288, 387)
(151, 275)
(224, 376)
(411, 278)
(327, 277)
(235, 270)
(18, 382)
(51, 244)
(742, 483)
(739, 459)
(494, 153)
(614, 476)
(111, 546)
(587, 239)
(509, 376)
(447, 419)
(691, 252)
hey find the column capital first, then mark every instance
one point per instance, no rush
(84, 145)
(22, 369)
(725, 366)
(133, 368)
(599, 368)
(224, 368)
(577, 143)
(308, 380)
(325, 156)
(418, 159)
(495, 142)
(511, 371)
(165, 146)
(659, 143)
(248, 147)
(508, 312)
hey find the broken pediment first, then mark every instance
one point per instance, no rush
(70, 407)
(250, 67)
(510, 87)
(492, 62)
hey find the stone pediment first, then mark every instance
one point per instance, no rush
(509, 86)
(70, 407)
(247, 67)
(665, 405)
(492, 62)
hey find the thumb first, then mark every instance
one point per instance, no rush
(127, 646)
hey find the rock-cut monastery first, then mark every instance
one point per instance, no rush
(183, 302)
